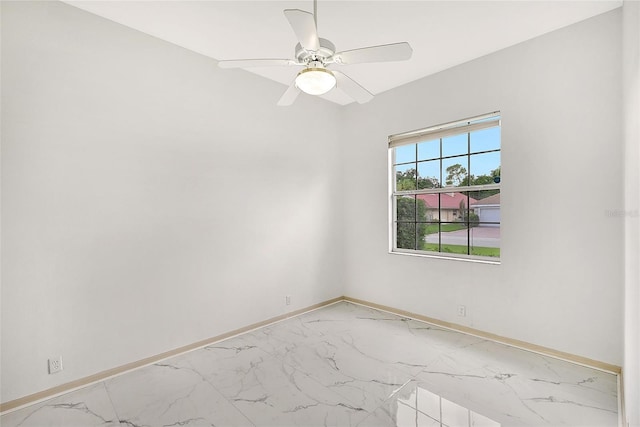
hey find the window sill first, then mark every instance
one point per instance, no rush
(466, 258)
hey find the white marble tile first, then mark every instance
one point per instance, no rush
(228, 364)
(233, 366)
(532, 389)
(329, 323)
(363, 380)
(87, 407)
(344, 365)
(281, 337)
(408, 344)
(271, 392)
(171, 393)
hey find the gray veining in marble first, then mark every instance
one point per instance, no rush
(87, 407)
(342, 365)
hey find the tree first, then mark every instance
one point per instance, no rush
(467, 215)
(409, 211)
(456, 175)
(481, 180)
(408, 180)
(462, 210)
(484, 180)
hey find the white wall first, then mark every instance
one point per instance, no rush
(149, 199)
(631, 86)
(560, 281)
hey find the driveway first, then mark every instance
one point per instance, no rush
(488, 237)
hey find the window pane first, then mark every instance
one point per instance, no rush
(461, 213)
(486, 205)
(485, 230)
(485, 240)
(454, 145)
(453, 238)
(484, 167)
(406, 235)
(485, 140)
(405, 153)
(421, 209)
(453, 207)
(429, 150)
(454, 171)
(429, 174)
(406, 208)
(422, 230)
(431, 239)
(405, 177)
(427, 207)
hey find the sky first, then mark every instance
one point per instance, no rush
(480, 164)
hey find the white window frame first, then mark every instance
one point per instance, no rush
(468, 125)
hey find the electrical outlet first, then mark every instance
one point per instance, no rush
(287, 300)
(462, 311)
(55, 364)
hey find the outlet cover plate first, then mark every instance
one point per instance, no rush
(55, 364)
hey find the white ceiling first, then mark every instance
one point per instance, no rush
(442, 33)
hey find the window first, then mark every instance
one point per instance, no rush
(445, 190)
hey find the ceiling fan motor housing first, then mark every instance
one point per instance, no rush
(326, 51)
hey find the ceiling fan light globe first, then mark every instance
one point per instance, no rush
(315, 81)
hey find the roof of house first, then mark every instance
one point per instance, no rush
(491, 200)
(447, 201)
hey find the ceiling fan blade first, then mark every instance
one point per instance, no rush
(289, 96)
(247, 63)
(386, 52)
(304, 25)
(351, 88)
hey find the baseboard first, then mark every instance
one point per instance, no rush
(596, 364)
(622, 412)
(101, 376)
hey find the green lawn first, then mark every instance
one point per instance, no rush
(433, 228)
(462, 249)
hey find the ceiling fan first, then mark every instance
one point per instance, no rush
(316, 54)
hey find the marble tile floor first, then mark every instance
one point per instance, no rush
(342, 365)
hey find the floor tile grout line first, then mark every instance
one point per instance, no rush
(115, 410)
(210, 382)
(229, 401)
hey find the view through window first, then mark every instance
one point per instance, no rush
(446, 189)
